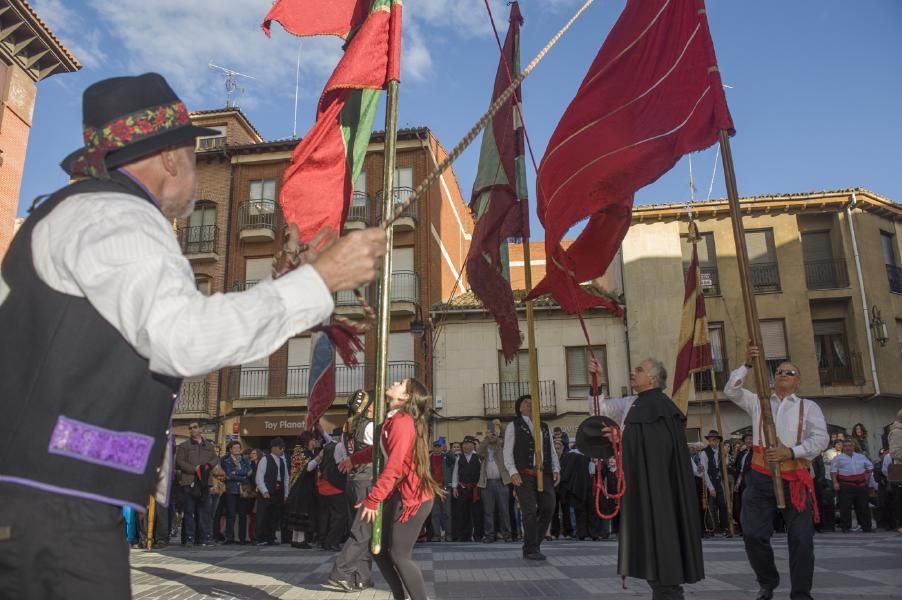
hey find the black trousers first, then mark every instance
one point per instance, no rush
(467, 518)
(355, 560)
(396, 558)
(717, 506)
(537, 509)
(850, 496)
(269, 516)
(235, 505)
(54, 546)
(333, 519)
(894, 504)
(759, 510)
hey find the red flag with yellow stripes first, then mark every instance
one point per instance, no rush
(694, 355)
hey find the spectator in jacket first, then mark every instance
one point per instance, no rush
(237, 469)
(442, 464)
(493, 486)
(195, 458)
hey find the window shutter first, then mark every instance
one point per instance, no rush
(257, 269)
(773, 339)
(577, 367)
(816, 246)
(833, 327)
(715, 338)
(758, 248)
(299, 352)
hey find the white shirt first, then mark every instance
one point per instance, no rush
(261, 473)
(510, 436)
(856, 464)
(703, 460)
(887, 461)
(120, 253)
(786, 418)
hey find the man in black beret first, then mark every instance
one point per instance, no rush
(101, 319)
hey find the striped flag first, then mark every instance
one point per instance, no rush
(694, 355)
(499, 201)
(316, 189)
(321, 383)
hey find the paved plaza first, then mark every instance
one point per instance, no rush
(847, 566)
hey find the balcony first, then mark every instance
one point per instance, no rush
(499, 398)
(851, 374)
(257, 387)
(408, 219)
(405, 292)
(211, 143)
(241, 286)
(826, 274)
(709, 279)
(359, 211)
(199, 243)
(894, 276)
(765, 278)
(194, 400)
(347, 304)
(257, 221)
(703, 379)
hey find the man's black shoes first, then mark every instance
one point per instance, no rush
(765, 594)
(340, 585)
(534, 556)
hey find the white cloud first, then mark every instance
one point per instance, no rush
(416, 62)
(69, 26)
(465, 18)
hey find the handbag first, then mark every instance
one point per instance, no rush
(894, 473)
(247, 490)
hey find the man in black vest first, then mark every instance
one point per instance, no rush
(467, 518)
(101, 318)
(710, 459)
(272, 485)
(741, 468)
(520, 460)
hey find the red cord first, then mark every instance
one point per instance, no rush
(600, 488)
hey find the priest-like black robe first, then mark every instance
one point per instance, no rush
(660, 533)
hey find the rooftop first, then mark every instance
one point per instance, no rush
(468, 302)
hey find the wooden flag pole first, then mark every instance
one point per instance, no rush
(383, 292)
(728, 493)
(751, 314)
(533, 371)
(151, 509)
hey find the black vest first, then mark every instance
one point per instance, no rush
(269, 476)
(525, 446)
(355, 443)
(83, 414)
(468, 472)
(328, 469)
(713, 468)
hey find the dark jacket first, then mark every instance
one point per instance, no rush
(190, 455)
(236, 474)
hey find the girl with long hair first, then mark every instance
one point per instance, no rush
(860, 438)
(405, 487)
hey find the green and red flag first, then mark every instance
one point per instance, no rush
(694, 354)
(499, 200)
(316, 188)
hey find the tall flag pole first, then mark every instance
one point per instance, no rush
(383, 290)
(652, 94)
(751, 315)
(499, 201)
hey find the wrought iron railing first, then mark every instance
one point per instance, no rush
(499, 398)
(348, 298)
(894, 276)
(254, 382)
(405, 287)
(257, 214)
(400, 195)
(710, 280)
(765, 277)
(359, 210)
(194, 397)
(826, 274)
(852, 373)
(240, 286)
(199, 239)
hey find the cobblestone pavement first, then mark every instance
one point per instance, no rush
(847, 566)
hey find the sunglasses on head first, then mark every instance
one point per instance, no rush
(787, 372)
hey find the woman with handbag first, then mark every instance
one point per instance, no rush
(237, 469)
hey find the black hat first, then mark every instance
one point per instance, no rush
(519, 401)
(470, 439)
(589, 439)
(127, 118)
(276, 443)
(714, 434)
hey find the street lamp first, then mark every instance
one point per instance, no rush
(878, 327)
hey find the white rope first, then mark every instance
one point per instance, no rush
(716, 158)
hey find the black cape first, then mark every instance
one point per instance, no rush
(660, 532)
(575, 481)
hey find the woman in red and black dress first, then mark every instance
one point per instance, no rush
(405, 487)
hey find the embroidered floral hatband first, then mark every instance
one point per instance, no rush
(123, 131)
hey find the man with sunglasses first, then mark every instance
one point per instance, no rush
(194, 459)
(802, 435)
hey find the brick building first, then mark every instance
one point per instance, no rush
(29, 53)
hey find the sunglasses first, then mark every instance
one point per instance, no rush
(787, 372)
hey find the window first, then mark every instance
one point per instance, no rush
(212, 142)
(256, 270)
(893, 271)
(263, 189)
(773, 342)
(200, 234)
(360, 184)
(833, 361)
(762, 260)
(718, 361)
(203, 283)
(403, 184)
(401, 360)
(822, 271)
(578, 381)
(350, 379)
(254, 379)
(513, 376)
(298, 366)
(707, 262)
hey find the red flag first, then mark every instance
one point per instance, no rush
(315, 17)
(694, 354)
(321, 382)
(652, 95)
(499, 203)
(317, 185)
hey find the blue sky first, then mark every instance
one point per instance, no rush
(815, 99)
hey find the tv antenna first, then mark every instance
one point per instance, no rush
(231, 81)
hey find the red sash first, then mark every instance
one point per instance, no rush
(858, 481)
